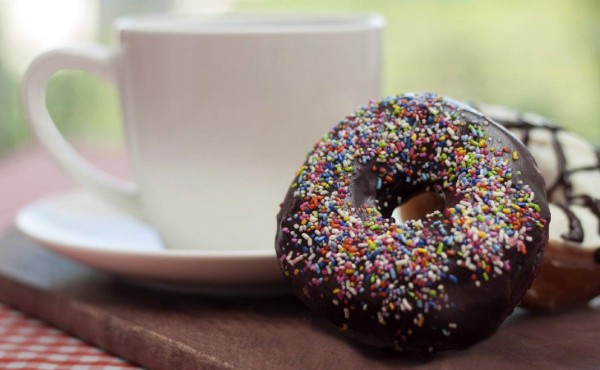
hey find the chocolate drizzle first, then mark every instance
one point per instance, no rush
(592, 204)
(563, 181)
(575, 233)
(526, 135)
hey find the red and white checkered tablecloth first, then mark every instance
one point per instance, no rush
(27, 343)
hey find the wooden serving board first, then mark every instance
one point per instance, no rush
(167, 330)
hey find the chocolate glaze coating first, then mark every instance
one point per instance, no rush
(395, 306)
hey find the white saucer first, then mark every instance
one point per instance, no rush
(78, 225)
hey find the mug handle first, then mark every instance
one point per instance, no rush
(94, 59)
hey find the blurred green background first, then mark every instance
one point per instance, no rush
(541, 56)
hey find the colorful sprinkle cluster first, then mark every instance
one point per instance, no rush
(417, 140)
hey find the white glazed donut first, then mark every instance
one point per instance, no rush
(570, 166)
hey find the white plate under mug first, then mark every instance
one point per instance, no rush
(78, 225)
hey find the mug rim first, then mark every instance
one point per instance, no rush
(241, 23)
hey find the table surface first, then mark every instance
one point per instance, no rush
(26, 342)
(245, 332)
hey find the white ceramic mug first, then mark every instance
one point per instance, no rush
(219, 112)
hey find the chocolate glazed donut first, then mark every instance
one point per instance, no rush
(441, 282)
(570, 274)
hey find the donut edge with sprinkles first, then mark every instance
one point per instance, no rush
(440, 283)
(570, 273)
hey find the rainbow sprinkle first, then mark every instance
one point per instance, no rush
(406, 141)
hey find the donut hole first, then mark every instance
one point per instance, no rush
(418, 207)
